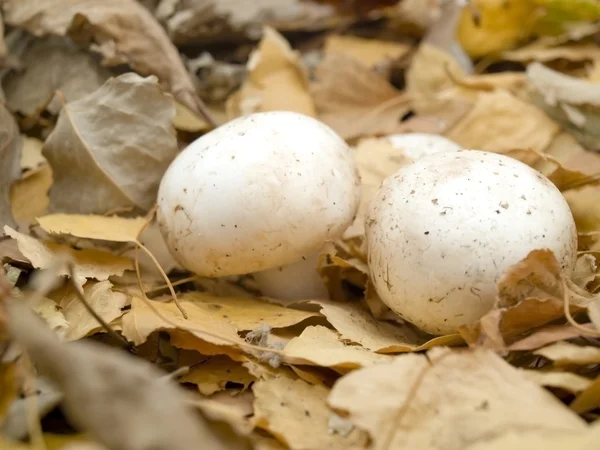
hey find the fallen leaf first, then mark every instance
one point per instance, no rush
(108, 304)
(588, 399)
(500, 121)
(288, 408)
(565, 353)
(52, 314)
(89, 263)
(585, 271)
(356, 101)
(50, 65)
(538, 51)
(355, 324)
(213, 375)
(107, 228)
(276, 80)
(98, 163)
(369, 52)
(186, 120)
(321, 346)
(544, 336)
(32, 159)
(10, 389)
(123, 32)
(151, 409)
(29, 196)
(10, 158)
(567, 381)
(447, 400)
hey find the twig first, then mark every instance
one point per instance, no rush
(130, 347)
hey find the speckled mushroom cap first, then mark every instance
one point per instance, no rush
(442, 231)
(258, 192)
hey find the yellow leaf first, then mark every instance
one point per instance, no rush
(10, 387)
(186, 120)
(277, 80)
(31, 155)
(51, 312)
(213, 375)
(29, 196)
(588, 399)
(369, 52)
(565, 353)
(107, 303)
(321, 346)
(89, 263)
(448, 400)
(295, 413)
(499, 121)
(113, 228)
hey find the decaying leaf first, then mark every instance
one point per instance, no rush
(321, 346)
(107, 303)
(500, 121)
(150, 409)
(355, 324)
(276, 80)
(50, 65)
(213, 375)
(356, 101)
(52, 314)
(448, 400)
(589, 399)
(88, 263)
(98, 163)
(10, 159)
(287, 408)
(546, 335)
(115, 229)
(123, 32)
(29, 195)
(564, 353)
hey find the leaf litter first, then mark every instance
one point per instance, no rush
(100, 98)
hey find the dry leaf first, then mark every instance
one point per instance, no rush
(32, 159)
(546, 335)
(564, 353)
(500, 121)
(50, 65)
(209, 21)
(110, 149)
(149, 410)
(588, 399)
(567, 381)
(108, 304)
(355, 324)
(113, 228)
(321, 346)
(88, 263)
(122, 31)
(29, 196)
(213, 375)
(447, 400)
(537, 51)
(276, 80)
(186, 120)
(376, 160)
(52, 314)
(356, 101)
(369, 52)
(295, 413)
(10, 159)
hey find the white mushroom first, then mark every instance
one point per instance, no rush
(416, 145)
(442, 231)
(260, 192)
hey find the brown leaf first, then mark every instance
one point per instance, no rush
(321, 346)
(99, 164)
(10, 159)
(89, 263)
(122, 31)
(149, 408)
(588, 399)
(356, 101)
(296, 414)
(544, 336)
(447, 400)
(277, 80)
(500, 121)
(213, 375)
(50, 65)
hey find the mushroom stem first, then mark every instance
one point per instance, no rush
(296, 281)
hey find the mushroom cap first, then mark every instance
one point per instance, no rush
(416, 145)
(442, 231)
(257, 192)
